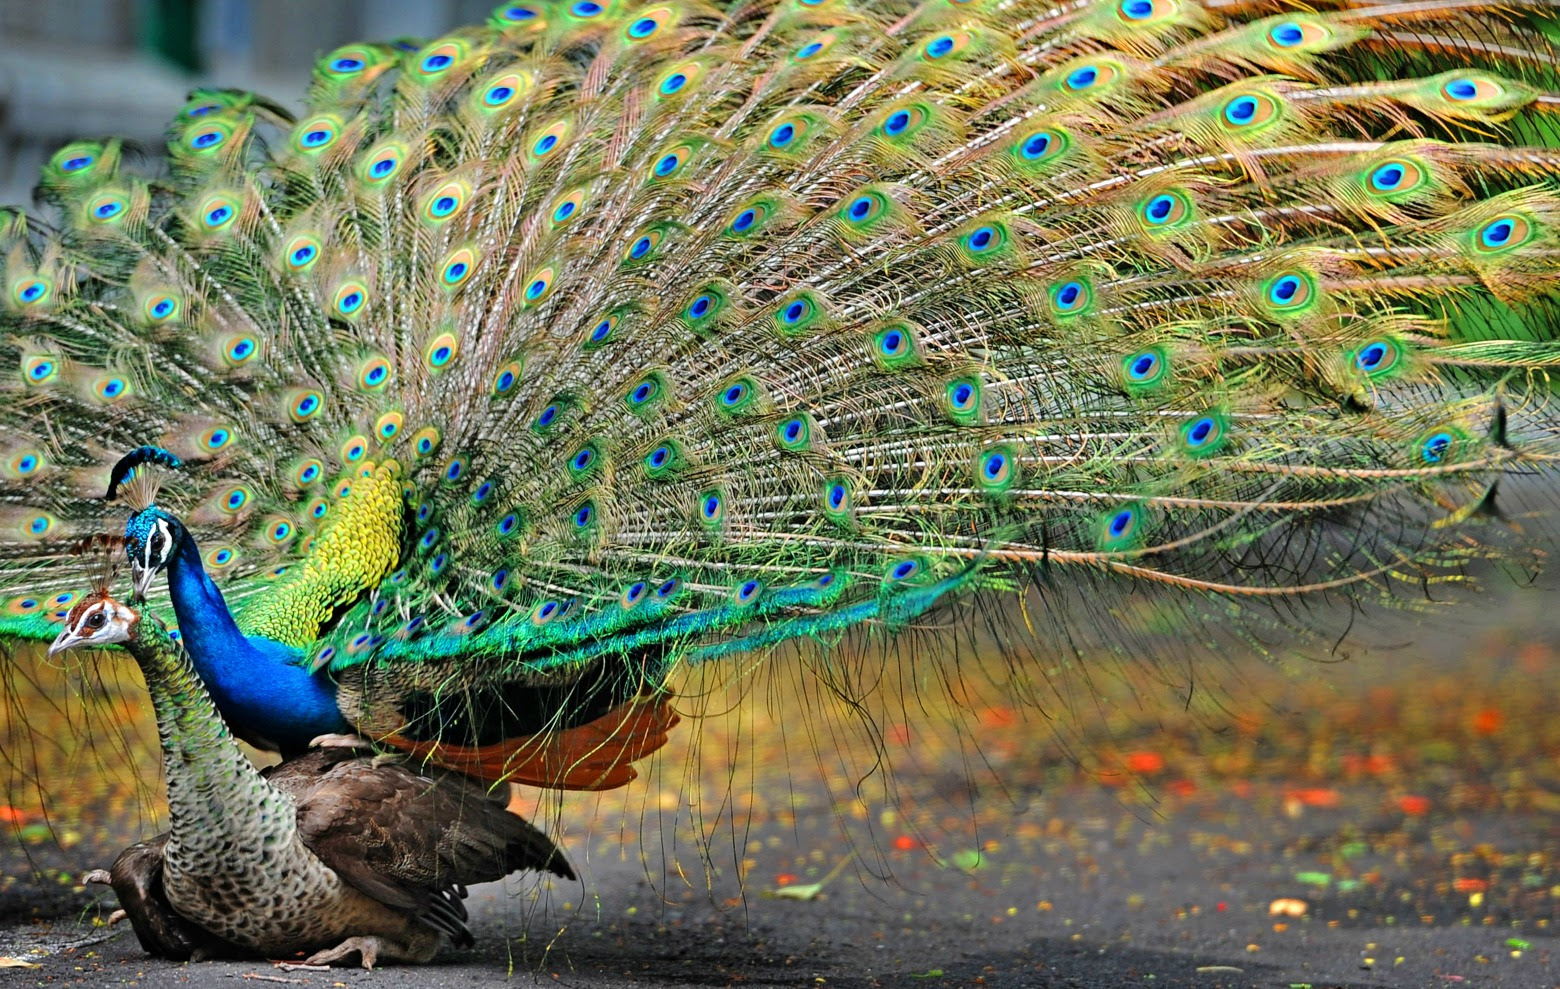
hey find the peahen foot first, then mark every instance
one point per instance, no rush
(371, 950)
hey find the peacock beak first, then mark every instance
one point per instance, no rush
(65, 640)
(141, 578)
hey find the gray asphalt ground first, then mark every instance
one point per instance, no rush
(1388, 823)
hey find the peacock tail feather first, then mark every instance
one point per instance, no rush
(651, 335)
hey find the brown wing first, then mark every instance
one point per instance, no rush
(410, 840)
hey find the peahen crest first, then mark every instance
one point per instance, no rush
(672, 332)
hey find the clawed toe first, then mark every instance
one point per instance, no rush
(366, 948)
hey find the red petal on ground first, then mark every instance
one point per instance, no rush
(1316, 797)
(1145, 762)
(1470, 885)
(905, 843)
(1410, 804)
(1488, 721)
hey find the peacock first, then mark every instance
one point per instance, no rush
(533, 366)
(334, 852)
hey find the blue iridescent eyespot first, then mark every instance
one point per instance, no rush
(635, 591)
(41, 370)
(995, 464)
(962, 394)
(1287, 34)
(748, 591)
(1461, 90)
(317, 137)
(437, 62)
(1496, 234)
(659, 456)
(837, 496)
(1121, 523)
(78, 163)
(940, 46)
(667, 588)
(518, 13)
(444, 206)
(109, 209)
(904, 569)
(498, 95)
(1082, 78)
(1144, 366)
(587, 9)
(1137, 10)
(892, 343)
(1284, 290)
(673, 83)
(897, 123)
(508, 524)
(1036, 145)
(564, 211)
(206, 140)
(218, 215)
(383, 167)
(347, 64)
(1069, 294)
(545, 144)
(601, 331)
(792, 431)
(744, 221)
(701, 307)
(795, 312)
(583, 516)
(1241, 110)
(711, 506)
(641, 248)
(548, 415)
(643, 28)
(483, 491)
(1200, 431)
(583, 459)
(861, 208)
(809, 50)
(733, 394)
(303, 255)
(1436, 447)
(981, 239)
(1370, 357)
(782, 135)
(500, 578)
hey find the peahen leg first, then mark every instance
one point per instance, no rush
(373, 950)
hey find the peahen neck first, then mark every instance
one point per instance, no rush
(216, 797)
(258, 684)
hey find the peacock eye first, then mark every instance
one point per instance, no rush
(96, 619)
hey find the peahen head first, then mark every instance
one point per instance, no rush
(96, 621)
(152, 536)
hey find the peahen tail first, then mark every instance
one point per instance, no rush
(677, 332)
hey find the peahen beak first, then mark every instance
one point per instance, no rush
(62, 642)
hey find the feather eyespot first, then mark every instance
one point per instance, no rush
(308, 472)
(304, 405)
(1071, 297)
(1289, 292)
(458, 268)
(40, 370)
(426, 440)
(240, 349)
(1504, 233)
(1145, 369)
(350, 300)
(314, 136)
(301, 253)
(107, 208)
(506, 378)
(1376, 357)
(440, 351)
(1204, 434)
(216, 438)
(382, 165)
(538, 286)
(678, 81)
(373, 374)
(111, 389)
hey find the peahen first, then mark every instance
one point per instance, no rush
(335, 852)
(530, 366)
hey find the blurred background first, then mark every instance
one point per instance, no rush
(92, 68)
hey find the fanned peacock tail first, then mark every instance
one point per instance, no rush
(651, 335)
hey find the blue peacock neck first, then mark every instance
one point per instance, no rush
(269, 699)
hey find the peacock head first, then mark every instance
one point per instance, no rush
(152, 536)
(97, 620)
